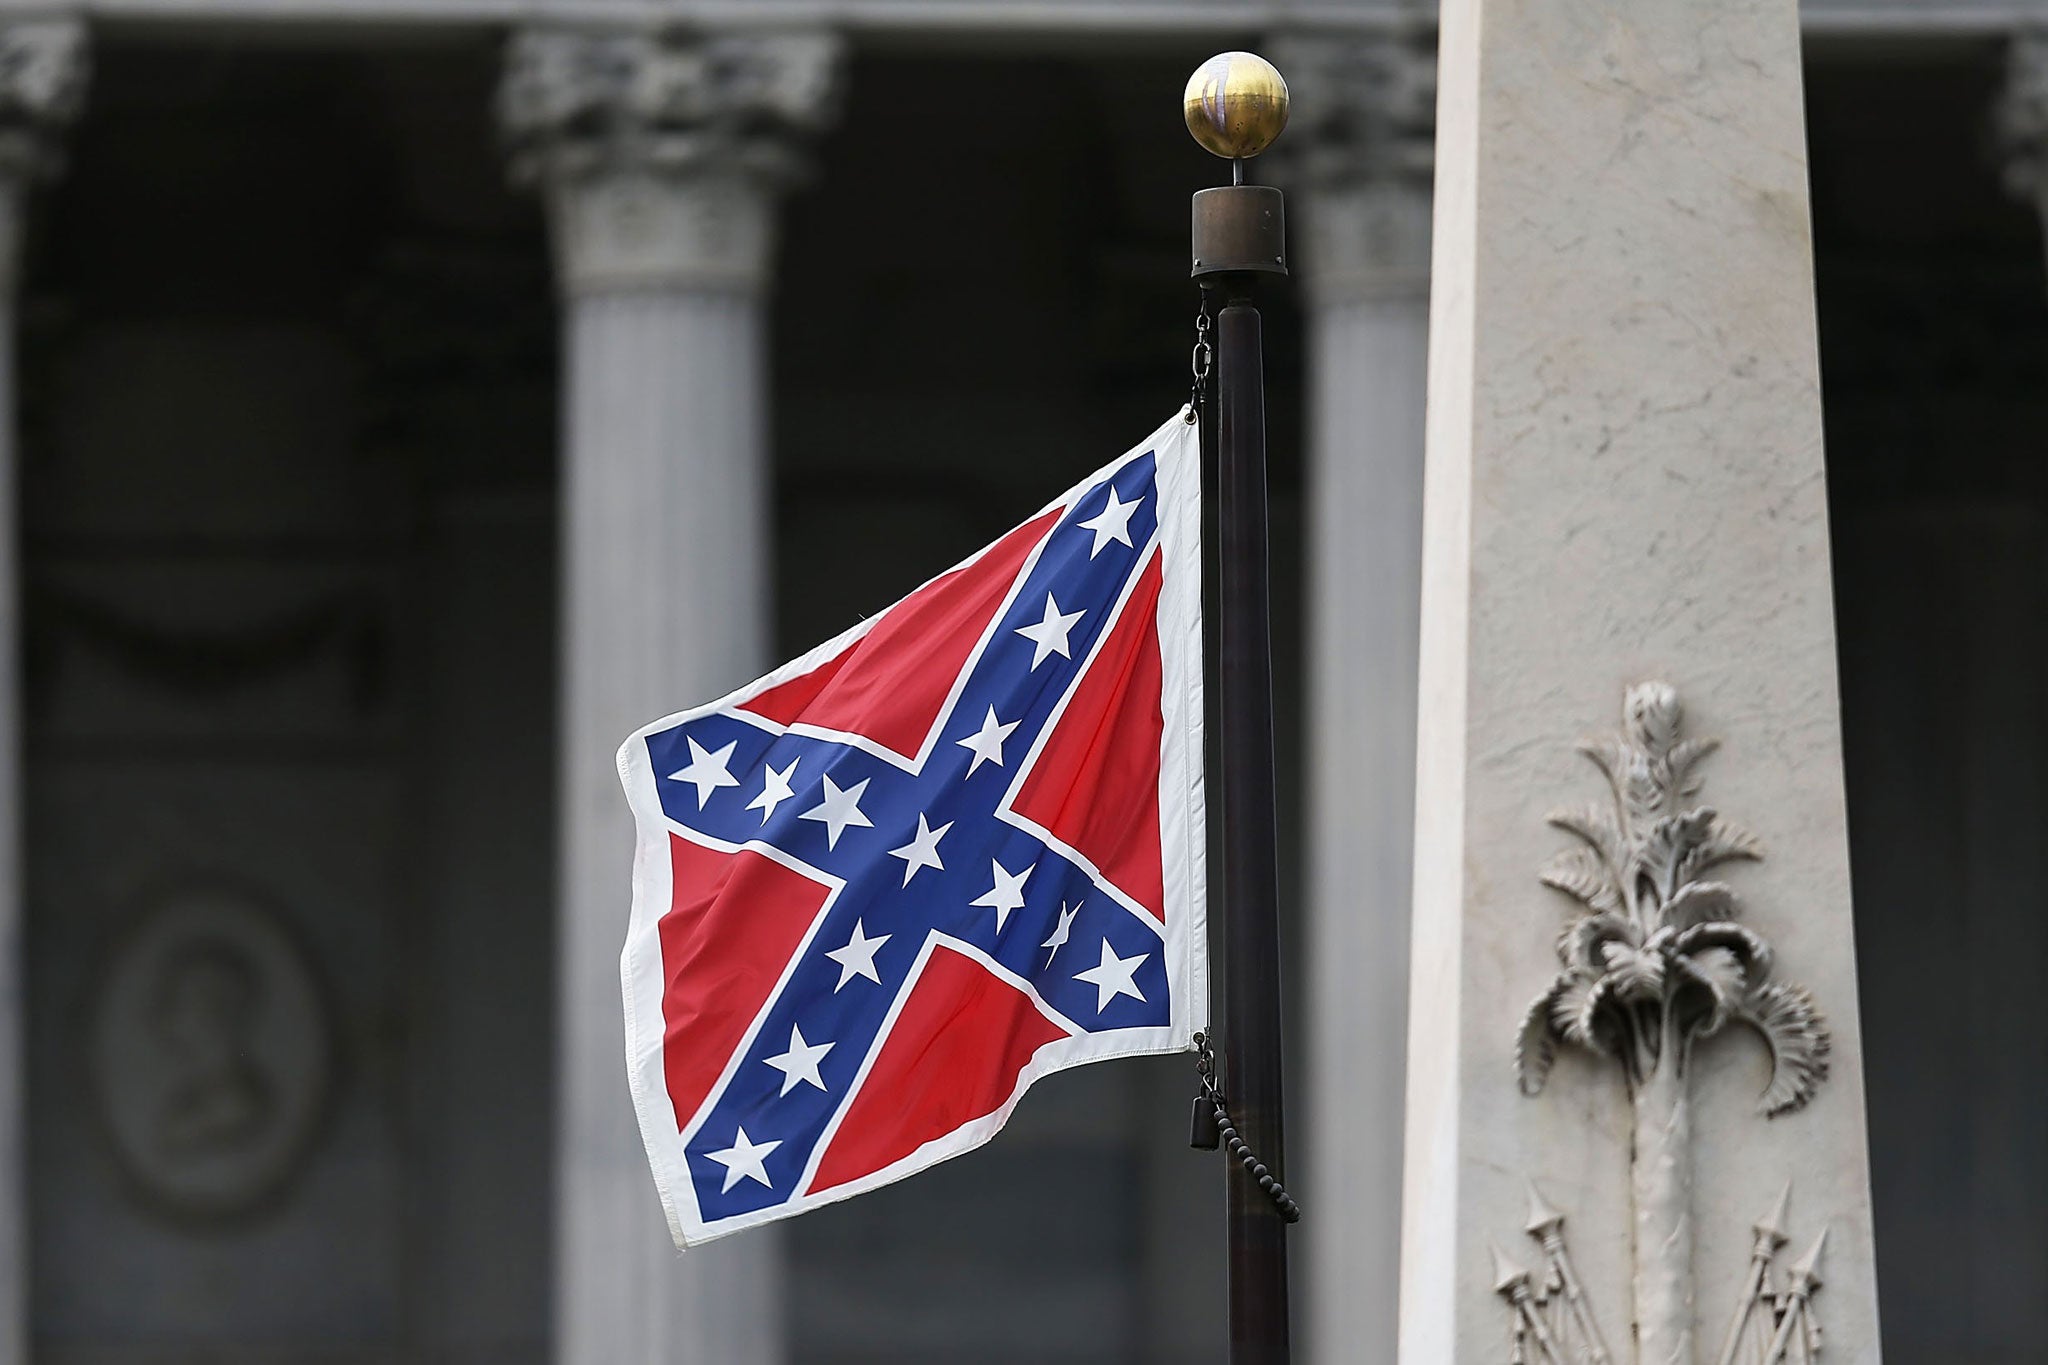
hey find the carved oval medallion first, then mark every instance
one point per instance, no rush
(210, 1051)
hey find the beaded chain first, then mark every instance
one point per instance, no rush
(1224, 1129)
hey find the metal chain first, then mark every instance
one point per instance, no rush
(1202, 362)
(1205, 1063)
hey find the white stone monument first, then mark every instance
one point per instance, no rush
(1626, 557)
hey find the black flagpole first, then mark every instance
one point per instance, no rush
(1236, 105)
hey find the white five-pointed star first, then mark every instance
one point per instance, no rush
(774, 791)
(707, 771)
(987, 742)
(1111, 977)
(745, 1158)
(800, 1063)
(1007, 894)
(839, 809)
(1049, 636)
(1113, 522)
(1059, 935)
(857, 958)
(922, 850)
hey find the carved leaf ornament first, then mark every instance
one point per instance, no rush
(1653, 961)
(1654, 957)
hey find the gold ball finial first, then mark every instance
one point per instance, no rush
(1236, 104)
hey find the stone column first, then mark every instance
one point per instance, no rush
(660, 161)
(1626, 547)
(42, 84)
(1359, 149)
(2022, 117)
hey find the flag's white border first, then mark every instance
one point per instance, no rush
(1183, 825)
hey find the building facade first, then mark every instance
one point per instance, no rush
(408, 398)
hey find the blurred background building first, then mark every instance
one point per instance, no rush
(413, 396)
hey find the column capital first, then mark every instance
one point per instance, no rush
(43, 66)
(42, 86)
(660, 153)
(2023, 112)
(1361, 148)
(2022, 118)
(1364, 106)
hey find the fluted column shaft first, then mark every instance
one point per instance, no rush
(1361, 172)
(13, 1004)
(664, 602)
(660, 162)
(42, 84)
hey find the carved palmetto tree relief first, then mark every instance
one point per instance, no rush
(1654, 963)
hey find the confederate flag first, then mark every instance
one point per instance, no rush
(880, 891)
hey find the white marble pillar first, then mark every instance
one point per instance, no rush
(42, 84)
(1359, 155)
(2022, 115)
(661, 161)
(1625, 485)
